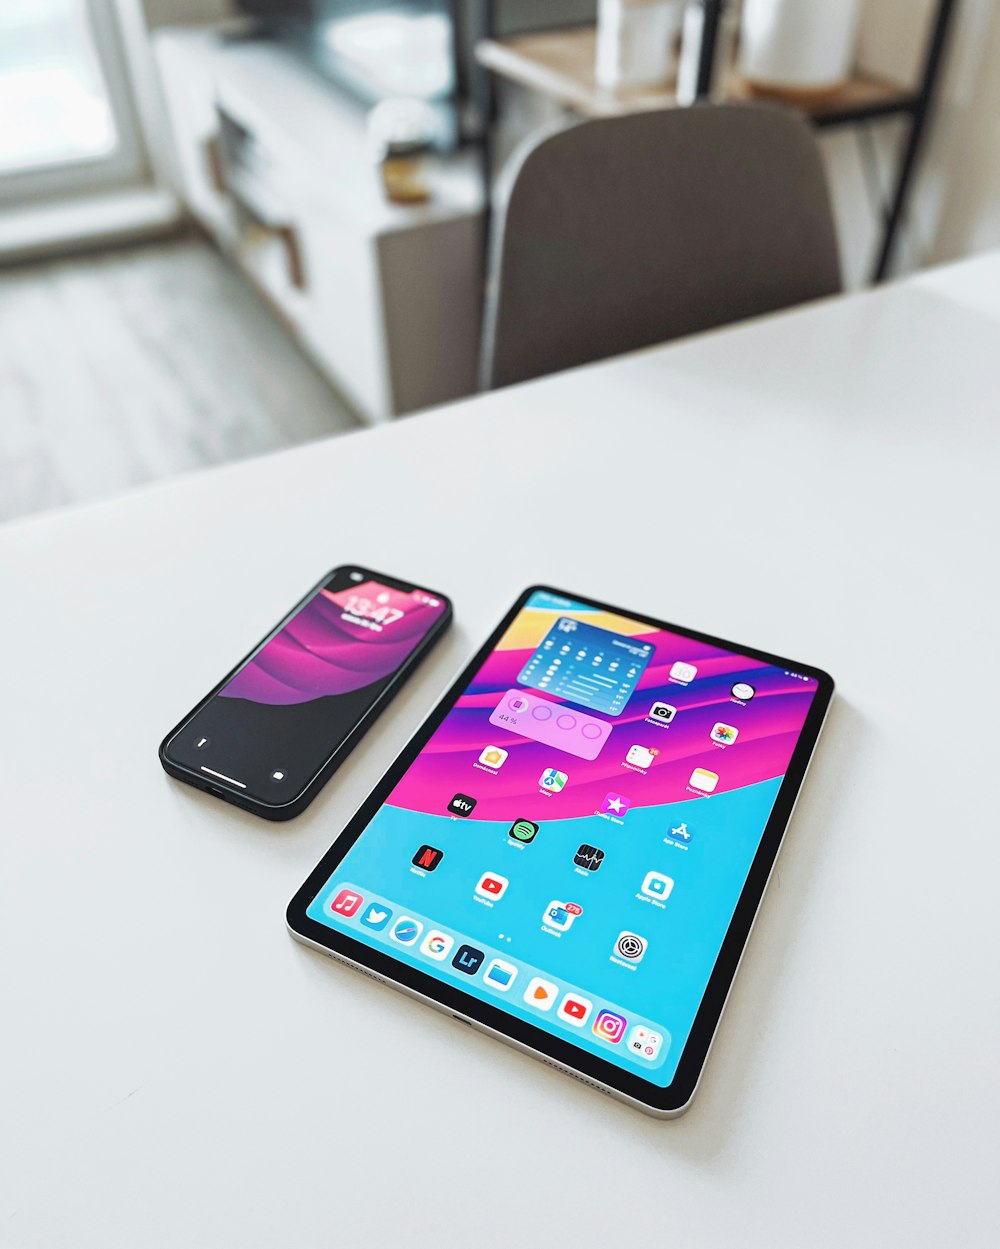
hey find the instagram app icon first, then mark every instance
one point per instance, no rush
(609, 1026)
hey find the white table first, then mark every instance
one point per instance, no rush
(177, 1072)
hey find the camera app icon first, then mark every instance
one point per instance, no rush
(662, 713)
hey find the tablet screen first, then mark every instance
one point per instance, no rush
(571, 842)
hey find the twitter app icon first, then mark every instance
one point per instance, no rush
(377, 916)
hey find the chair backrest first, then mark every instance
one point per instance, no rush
(619, 233)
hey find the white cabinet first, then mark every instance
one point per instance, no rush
(274, 163)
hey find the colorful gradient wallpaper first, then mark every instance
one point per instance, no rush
(585, 865)
(333, 646)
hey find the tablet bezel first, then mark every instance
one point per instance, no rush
(666, 1100)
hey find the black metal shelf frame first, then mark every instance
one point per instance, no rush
(915, 105)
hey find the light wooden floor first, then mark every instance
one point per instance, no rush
(132, 365)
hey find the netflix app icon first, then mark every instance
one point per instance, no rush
(427, 858)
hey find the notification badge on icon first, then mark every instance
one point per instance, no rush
(560, 915)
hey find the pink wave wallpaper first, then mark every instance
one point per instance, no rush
(328, 649)
(768, 726)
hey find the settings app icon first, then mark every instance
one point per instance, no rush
(631, 946)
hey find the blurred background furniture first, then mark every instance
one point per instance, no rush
(558, 64)
(276, 167)
(251, 121)
(632, 230)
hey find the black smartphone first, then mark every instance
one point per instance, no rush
(274, 730)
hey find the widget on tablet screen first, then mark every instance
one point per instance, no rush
(587, 665)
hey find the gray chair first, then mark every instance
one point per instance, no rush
(618, 233)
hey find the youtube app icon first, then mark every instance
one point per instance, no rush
(492, 886)
(575, 1009)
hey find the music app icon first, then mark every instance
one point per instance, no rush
(346, 903)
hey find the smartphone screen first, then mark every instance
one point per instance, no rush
(275, 722)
